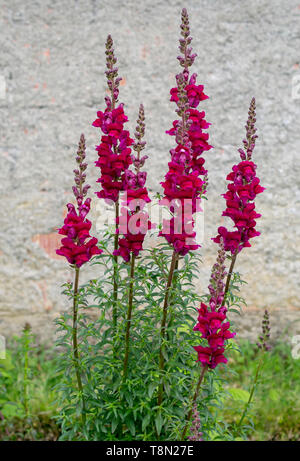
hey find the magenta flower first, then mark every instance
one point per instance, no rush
(212, 322)
(78, 254)
(75, 246)
(114, 150)
(133, 222)
(185, 182)
(181, 240)
(241, 193)
(194, 92)
(210, 356)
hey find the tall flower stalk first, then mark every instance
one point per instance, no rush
(164, 325)
(128, 318)
(183, 185)
(77, 249)
(134, 220)
(114, 154)
(213, 327)
(75, 342)
(26, 342)
(240, 196)
(196, 426)
(264, 347)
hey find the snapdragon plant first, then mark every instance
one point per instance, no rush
(128, 341)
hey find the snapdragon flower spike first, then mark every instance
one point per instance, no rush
(212, 322)
(196, 434)
(264, 338)
(134, 222)
(75, 246)
(241, 192)
(185, 181)
(114, 150)
(216, 284)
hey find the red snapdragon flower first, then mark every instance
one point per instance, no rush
(114, 150)
(78, 246)
(77, 253)
(133, 227)
(210, 356)
(133, 222)
(185, 181)
(174, 232)
(241, 193)
(194, 92)
(212, 322)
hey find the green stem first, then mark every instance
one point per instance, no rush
(229, 275)
(129, 315)
(25, 390)
(115, 276)
(75, 342)
(251, 392)
(163, 327)
(174, 284)
(188, 418)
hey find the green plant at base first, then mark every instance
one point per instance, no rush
(26, 399)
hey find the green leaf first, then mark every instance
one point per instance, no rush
(7, 362)
(151, 388)
(11, 410)
(158, 422)
(131, 426)
(274, 395)
(114, 425)
(146, 421)
(239, 394)
(184, 329)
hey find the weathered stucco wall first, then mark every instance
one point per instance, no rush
(52, 64)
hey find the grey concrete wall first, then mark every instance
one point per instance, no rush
(52, 62)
